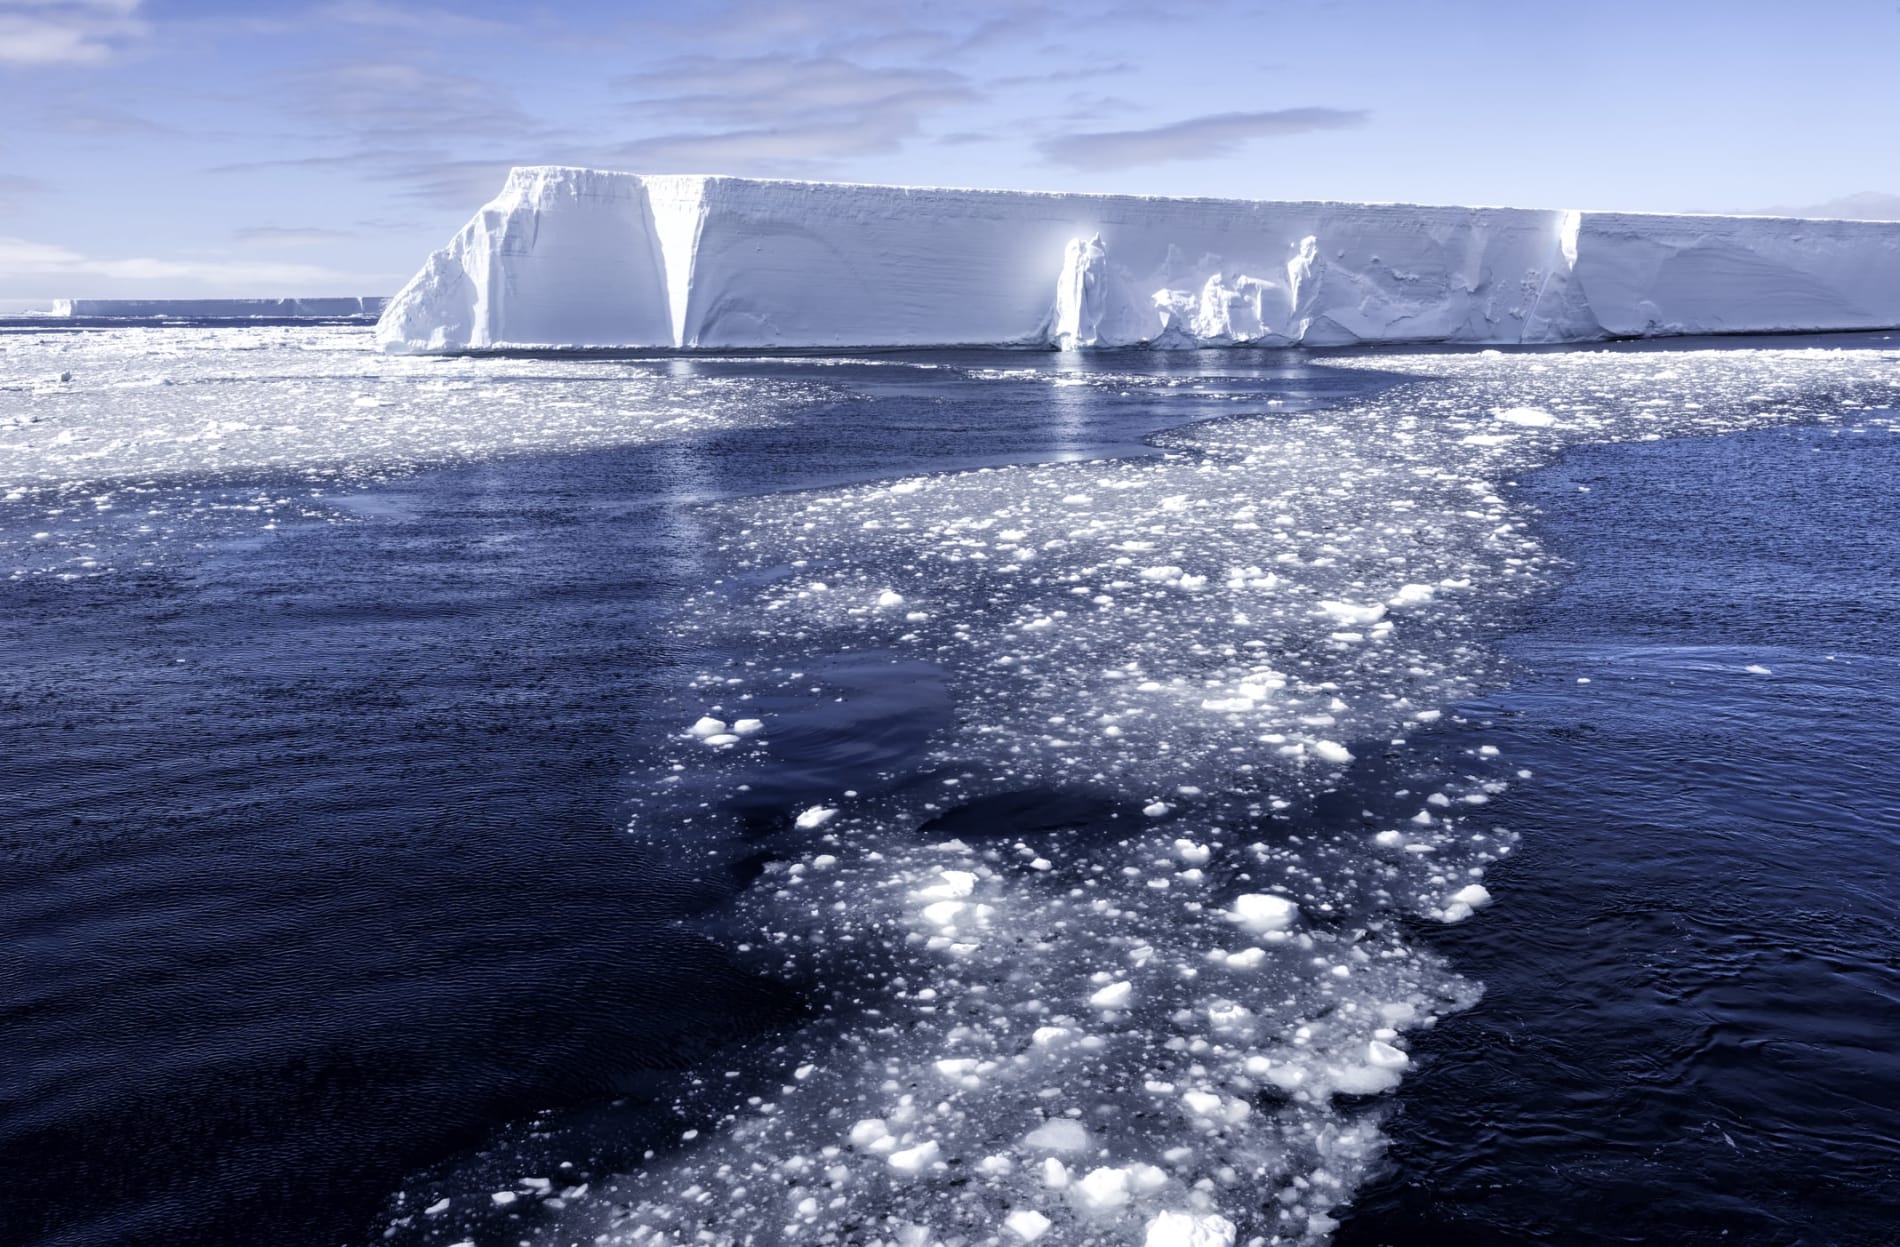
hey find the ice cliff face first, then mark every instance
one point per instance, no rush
(585, 258)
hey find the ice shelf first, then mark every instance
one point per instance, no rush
(360, 306)
(567, 257)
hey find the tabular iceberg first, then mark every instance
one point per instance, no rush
(588, 258)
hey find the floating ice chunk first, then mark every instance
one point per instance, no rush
(1114, 996)
(1052, 1036)
(1192, 854)
(1228, 1015)
(956, 885)
(914, 1160)
(1367, 1079)
(1385, 1056)
(439, 1207)
(1527, 417)
(1157, 809)
(944, 913)
(708, 726)
(1185, 1229)
(1331, 751)
(1755, 668)
(1262, 912)
(1354, 612)
(889, 598)
(1055, 1174)
(747, 727)
(1412, 595)
(1465, 901)
(1026, 1224)
(1101, 1191)
(1058, 1134)
(504, 1198)
(869, 1131)
(815, 817)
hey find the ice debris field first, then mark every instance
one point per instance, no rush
(584, 257)
(98, 429)
(1171, 1022)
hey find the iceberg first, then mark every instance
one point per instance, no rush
(570, 257)
(355, 307)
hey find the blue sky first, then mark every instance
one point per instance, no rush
(196, 147)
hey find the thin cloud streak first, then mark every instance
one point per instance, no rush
(783, 116)
(275, 236)
(1861, 206)
(15, 190)
(1196, 138)
(22, 260)
(38, 33)
(427, 176)
(761, 89)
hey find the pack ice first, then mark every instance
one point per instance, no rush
(587, 258)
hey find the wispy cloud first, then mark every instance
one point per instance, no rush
(14, 189)
(277, 236)
(748, 90)
(426, 174)
(74, 115)
(385, 99)
(1075, 73)
(882, 30)
(24, 263)
(780, 151)
(1196, 138)
(410, 126)
(66, 32)
(1861, 206)
(779, 115)
(427, 18)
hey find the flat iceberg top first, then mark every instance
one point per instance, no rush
(573, 257)
(538, 175)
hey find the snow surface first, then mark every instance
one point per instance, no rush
(589, 258)
(359, 307)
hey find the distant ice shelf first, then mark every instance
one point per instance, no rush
(567, 257)
(359, 306)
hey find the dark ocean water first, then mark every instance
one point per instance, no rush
(313, 873)
(1693, 970)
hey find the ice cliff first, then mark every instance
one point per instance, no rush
(587, 258)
